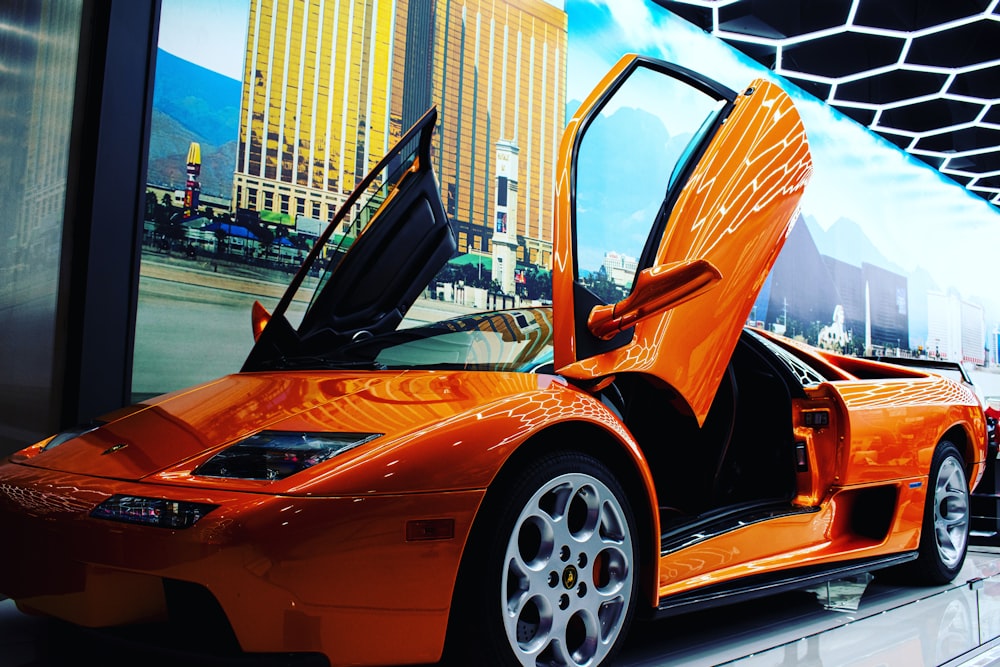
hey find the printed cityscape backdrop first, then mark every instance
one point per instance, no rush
(888, 256)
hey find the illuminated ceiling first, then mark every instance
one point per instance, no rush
(924, 74)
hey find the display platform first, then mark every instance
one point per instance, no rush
(860, 622)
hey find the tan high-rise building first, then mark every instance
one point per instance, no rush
(330, 84)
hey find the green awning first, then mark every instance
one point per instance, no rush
(276, 218)
(469, 259)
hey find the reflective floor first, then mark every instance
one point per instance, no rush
(858, 622)
(861, 622)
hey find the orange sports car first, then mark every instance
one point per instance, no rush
(383, 485)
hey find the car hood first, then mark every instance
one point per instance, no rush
(170, 436)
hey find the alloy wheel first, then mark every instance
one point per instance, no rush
(951, 512)
(568, 573)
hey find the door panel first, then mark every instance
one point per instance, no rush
(380, 250)
(660, 167)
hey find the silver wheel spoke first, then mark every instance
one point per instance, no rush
(951, 511)
(569, 569)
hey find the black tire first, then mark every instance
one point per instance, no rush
(944, 535)
(550, 575)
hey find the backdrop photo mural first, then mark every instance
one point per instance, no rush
(268, 112)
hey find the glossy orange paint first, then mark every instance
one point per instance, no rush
(291, 573)
(721, 217)
(322, 561)
(794, 541)
(897, 420)
(466, 424)
(888, 445)
(656, 289)
(881, 435)
(259, 318)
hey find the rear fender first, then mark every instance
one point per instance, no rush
(896, 424)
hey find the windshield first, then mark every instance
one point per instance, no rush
(509, 340)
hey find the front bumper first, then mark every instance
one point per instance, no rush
(291, 574)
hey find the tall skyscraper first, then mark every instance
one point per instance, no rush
(499, 76)
(330, 84)
(315, 104)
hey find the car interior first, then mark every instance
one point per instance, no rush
(740, 461)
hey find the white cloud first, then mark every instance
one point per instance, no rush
(912, 214)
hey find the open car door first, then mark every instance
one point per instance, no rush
(674, 197)
(379, 252)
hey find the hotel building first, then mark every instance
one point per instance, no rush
(330, 84)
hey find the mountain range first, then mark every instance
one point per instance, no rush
(192, 103)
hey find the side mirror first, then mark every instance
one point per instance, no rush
(259, 317)
(656, 289)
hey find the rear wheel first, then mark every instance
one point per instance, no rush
(944, 537)
(551, 578)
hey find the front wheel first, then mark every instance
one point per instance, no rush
(551, 577)
(944, 536)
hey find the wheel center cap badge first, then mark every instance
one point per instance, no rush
(569, 577)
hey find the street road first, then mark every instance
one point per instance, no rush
(186, 334)
(189, 333)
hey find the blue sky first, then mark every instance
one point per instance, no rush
(916, 217)
(210, 33)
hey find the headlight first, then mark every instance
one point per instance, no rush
(275, 455)
(151, 511)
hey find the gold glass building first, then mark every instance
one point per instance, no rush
(499, 75)
(329, 84)
(315, 107)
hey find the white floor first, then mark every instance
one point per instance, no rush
(860, 622)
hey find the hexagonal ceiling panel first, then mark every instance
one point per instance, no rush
(924, 74)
